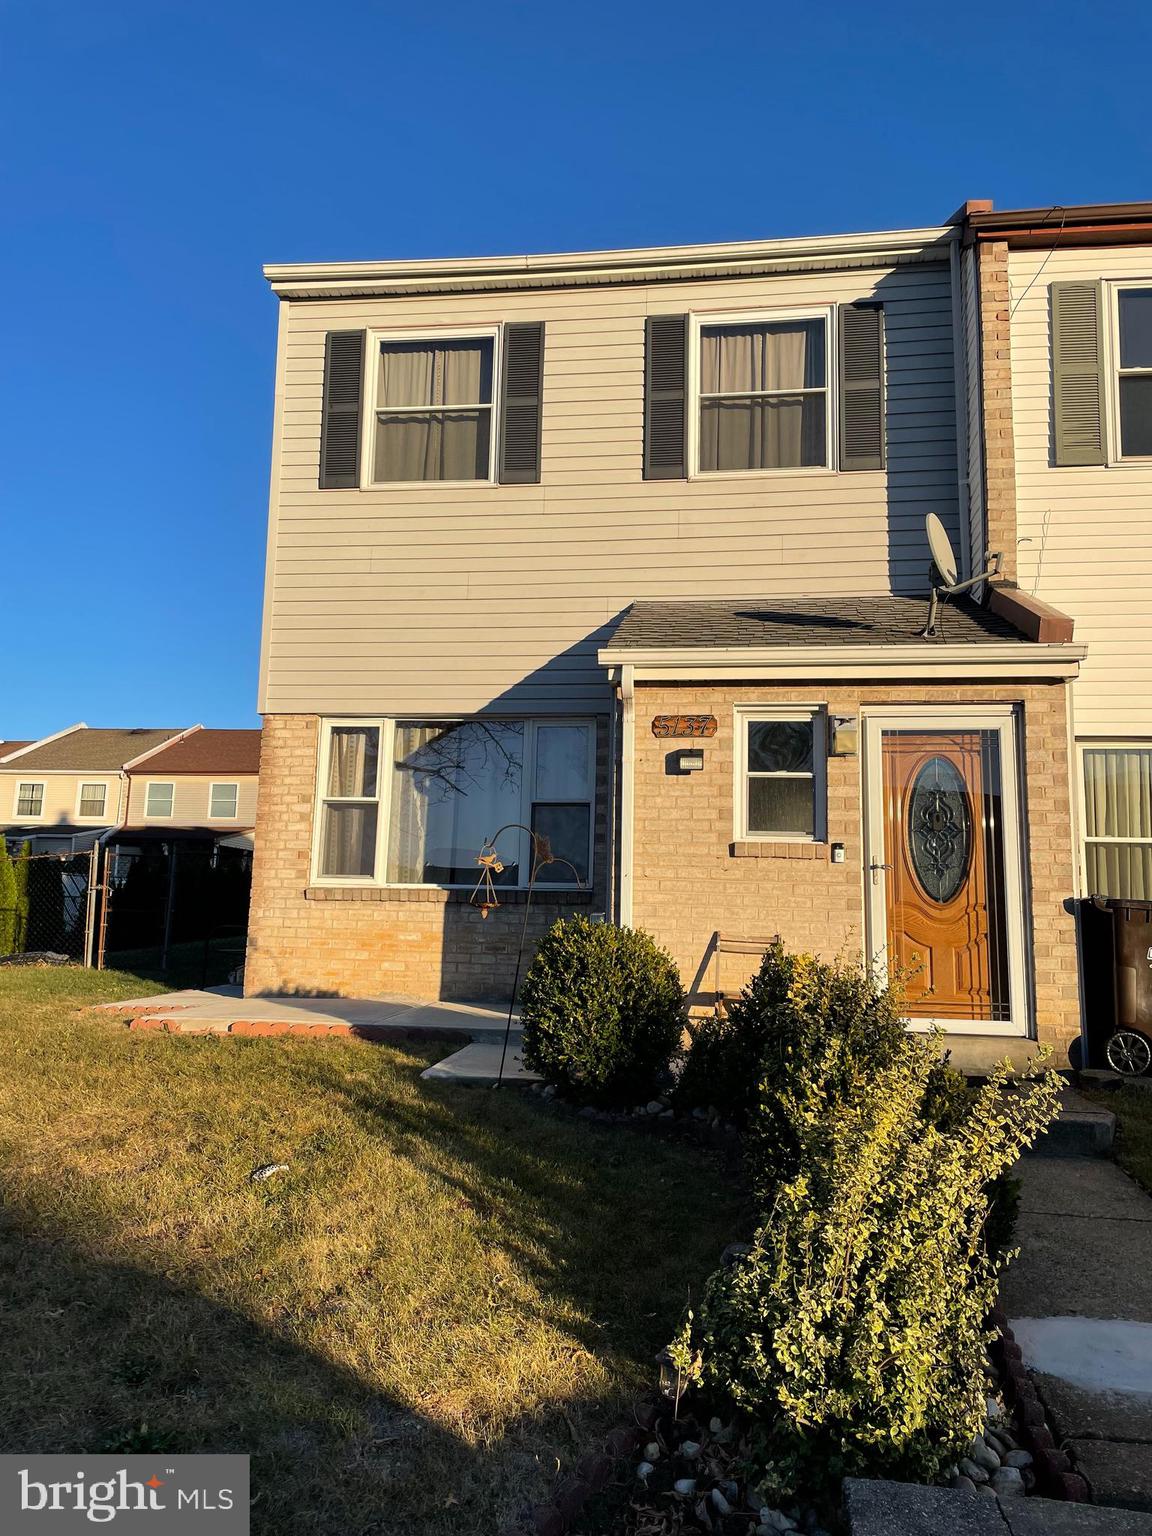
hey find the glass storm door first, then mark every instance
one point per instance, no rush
(941, 888)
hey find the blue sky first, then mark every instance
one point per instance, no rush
(155, 153)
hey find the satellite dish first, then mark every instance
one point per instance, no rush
(943, 574)
(941, 546)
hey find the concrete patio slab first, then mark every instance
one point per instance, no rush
(480, 1063)
(222, 1011)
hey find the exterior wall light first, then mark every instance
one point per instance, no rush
(689, 759)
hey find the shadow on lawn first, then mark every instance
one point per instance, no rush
(619, 1224)
(89, 1343)
(610, 1227)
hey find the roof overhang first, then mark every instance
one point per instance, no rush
(1080, 224)
(340, 279)
(841, 663)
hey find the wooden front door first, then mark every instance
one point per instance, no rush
(944, 872)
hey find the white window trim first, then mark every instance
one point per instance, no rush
(493, 333)
(1115, 457)
(387, 727)
(216, 784)
(104, 784)
(743, 716)
(42, 786)
(702, 320)
(149, 786)
(1104, 744)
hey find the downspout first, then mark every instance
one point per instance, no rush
(627, 789)
(610, 900)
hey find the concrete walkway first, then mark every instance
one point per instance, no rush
(1079, 1299)
(477, 1029)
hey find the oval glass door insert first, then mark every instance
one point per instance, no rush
(939, 829)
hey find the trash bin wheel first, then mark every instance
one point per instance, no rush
(1129, 1053)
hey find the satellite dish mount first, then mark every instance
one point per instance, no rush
(944, 573)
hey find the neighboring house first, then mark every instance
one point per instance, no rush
(629, 547)
(64, 791)
(201, 786)
(1066, 336)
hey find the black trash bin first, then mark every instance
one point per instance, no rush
(1118, 970)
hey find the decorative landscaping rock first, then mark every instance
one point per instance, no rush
(984, 1456)
(1008, 1483)
(684, 1485)
(1018, 1459)
(973, 1470)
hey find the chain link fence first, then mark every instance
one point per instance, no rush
(178, 908)
(46, 904)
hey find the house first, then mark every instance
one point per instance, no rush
(1066, 340)
(629, 548)
(200, 785)
(64, 791)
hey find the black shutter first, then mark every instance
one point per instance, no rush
(666, 397)
(1078, 382)
(340, 416)
(521, 398)
(861, 386)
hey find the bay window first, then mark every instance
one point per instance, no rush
(448, 786)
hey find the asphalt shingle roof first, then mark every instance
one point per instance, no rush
(827, 621)
(207, 751)
(94, 751)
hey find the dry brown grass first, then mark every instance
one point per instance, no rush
(446, 1295)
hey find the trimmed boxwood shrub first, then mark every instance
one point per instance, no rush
(853, 1333)
(799, 1038)
(602, 1010)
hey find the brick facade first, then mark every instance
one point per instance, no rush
(419, 942)
(996, 399)
(691, 879)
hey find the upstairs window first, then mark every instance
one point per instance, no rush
(222, 801)
(158, 799)
(763, 395)
(29, 801)
(1134, 327)
(433, 409)
(93, 798)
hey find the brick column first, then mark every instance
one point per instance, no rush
(996, 403)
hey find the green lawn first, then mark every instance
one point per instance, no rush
(1133, 1110)
(443, 1299)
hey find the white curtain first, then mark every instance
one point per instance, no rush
(454, 785)
(1118, 804)
(442, 443)
(776, 432)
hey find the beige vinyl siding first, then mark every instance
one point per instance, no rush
(61, 798)
(1085, 533)
(459, 598)
(190, 800)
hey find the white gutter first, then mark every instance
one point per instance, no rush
(627, 791)
(834, 663)
(650, 263)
